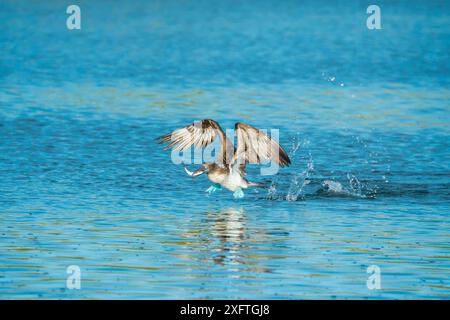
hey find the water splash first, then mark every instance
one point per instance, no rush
(354, 189)
(354, 184)
(299, 181)
(272, 192)
(333, 186)
(310, 183)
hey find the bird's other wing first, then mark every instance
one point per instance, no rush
(199, 134)
(254, 146)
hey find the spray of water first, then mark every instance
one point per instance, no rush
(308, 182)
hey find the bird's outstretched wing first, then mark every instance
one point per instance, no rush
(254, 146)
(199, 134)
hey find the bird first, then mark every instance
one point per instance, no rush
(229, 168)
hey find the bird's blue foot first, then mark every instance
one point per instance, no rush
(213, 188)
(238, 194)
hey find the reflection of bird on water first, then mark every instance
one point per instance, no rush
(228, 171)
(224, 237)
(229, 228)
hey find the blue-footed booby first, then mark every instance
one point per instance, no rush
(228, 170)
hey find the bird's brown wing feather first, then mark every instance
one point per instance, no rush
(199, 134)
(254, 146)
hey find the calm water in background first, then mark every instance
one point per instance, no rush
(364, 115)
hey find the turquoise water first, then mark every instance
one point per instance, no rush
(364, 115)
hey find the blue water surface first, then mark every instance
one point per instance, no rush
(364, 115)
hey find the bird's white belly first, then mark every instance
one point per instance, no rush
(234, 181)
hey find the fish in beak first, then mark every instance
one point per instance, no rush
(197, 172)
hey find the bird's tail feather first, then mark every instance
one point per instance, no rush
(254, 184)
